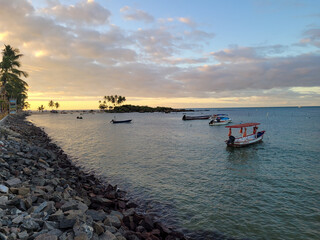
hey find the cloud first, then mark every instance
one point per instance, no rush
(245, 54)
(85, 12)
(131, 14)
(255, 75)
(312, 37)
(66, 60)
(187, 21)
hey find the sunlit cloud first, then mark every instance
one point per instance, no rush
(132, 14)
(76, 52)
(84, 12)
(187, 21)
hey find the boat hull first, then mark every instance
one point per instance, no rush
(196, 117)
(245, 141)
(123, 121)
(215, 123)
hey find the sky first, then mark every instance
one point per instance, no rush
(173, 53)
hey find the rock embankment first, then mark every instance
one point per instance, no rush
(44, 196)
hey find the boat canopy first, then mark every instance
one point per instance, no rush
(243, 125)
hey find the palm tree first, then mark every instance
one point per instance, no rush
(57, 105)
(51, 104)
(12, 85)
(26, 105)
(41, 108)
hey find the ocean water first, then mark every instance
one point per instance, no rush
(183, 173)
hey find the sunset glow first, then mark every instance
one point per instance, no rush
(211, 54)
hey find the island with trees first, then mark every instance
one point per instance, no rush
(113, 104)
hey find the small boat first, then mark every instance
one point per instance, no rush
(121, 121)
(201, 117)
(220, 119)
(245, 139)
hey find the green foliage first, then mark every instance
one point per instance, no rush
(51, 104)
(41, 108)
(112, 100)
(57, 105)
(12, 85)
(134, 108)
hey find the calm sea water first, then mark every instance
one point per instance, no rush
(182, 171)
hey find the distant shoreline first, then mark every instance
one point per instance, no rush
(175, 109)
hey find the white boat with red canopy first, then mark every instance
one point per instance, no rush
(245, 139)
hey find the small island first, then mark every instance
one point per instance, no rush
(113, 103)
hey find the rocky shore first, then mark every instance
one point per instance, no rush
(44, 196)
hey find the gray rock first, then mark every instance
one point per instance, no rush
(107, 236)
(46, 236)
(119, 236)
(55, 232)
(129, 212)
(57, 216)
(30, 224)
(117, 214)
(50, 225)
(50, 208)
(40, 207)
(23, 235)
(83, 228)
(19, 219)
(4, 189)
(98, 228)
(113, 221)
(23, 191)
(3, 200)
(67, 222)
(70, 205)
(2, 236)
(110, 229)
(97, 215)
(67, 236)
(13, 182)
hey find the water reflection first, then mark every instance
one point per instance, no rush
(242, 155)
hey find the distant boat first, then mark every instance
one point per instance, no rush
(121, 121)
(220, 119)
(201, 117)
(245, 139)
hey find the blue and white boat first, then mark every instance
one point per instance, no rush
(220, 119)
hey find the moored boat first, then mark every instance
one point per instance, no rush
(201, 117)
(245, 139)
(220, 119)
(121, 121)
